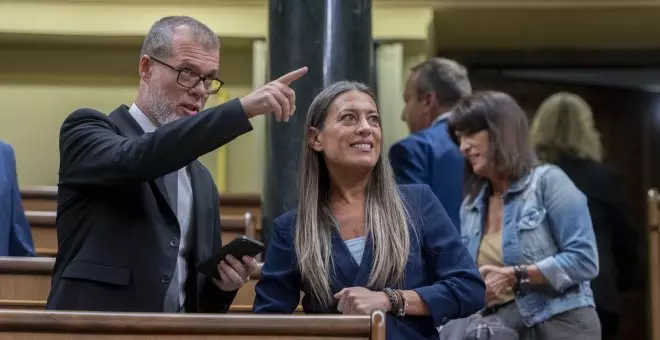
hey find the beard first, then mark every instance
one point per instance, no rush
(159, 108)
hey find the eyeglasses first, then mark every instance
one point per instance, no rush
(190, 79)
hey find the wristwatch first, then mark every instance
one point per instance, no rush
(522, 280)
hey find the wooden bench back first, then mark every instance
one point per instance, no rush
(29, 325)
(44, 234)
(25, 284)
(653, 225)
(40, 198)
(44, 198)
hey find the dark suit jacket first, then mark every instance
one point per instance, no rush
(617, 239)
(15, 234)
(439, 269)
(431, 157)
(117, 234)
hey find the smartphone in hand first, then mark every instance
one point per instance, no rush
(238, 247)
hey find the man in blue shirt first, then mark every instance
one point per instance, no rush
(15, 235)
(429, 155)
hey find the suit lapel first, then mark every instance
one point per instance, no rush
(130, 128)
(350, 273)
(344, 263)
(364, 269)
(162, 189)
(201, 196)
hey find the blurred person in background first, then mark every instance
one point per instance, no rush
(428, 156)
(563, 133)
(15, 234)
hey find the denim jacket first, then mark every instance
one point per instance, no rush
(546, 222)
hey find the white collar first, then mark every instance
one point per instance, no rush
(141, 118)
(441, 118)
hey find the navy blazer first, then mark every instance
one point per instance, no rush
(431, 157)
(15, 235)
(439, 269)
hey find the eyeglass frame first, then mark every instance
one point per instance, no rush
(201, 78)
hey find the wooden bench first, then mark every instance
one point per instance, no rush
(44, 198)
(25, 284)
(44, 234)
(653, 225)
(38, 325)
(40, 198)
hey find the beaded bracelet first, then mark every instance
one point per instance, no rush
(404, 306)
(394, 300)
(398, 301)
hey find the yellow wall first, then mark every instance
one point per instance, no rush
(37, 96)
(84, 54)
(87, 57)
(237, 19)
(246, 155)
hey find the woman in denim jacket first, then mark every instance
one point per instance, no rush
(526, 225)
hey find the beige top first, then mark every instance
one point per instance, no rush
(490, 252)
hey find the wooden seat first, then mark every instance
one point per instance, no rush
(44, 198)
(44, 233)
(653, 225)
(39, 198)
(42, 225)
(235, 225)
(25, 284)
(29, 325)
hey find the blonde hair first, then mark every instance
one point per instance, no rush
(386, 220)
(564, 124)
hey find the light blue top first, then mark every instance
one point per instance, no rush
(546, 222)
(356, 246)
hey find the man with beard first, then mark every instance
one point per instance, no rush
(136, 210)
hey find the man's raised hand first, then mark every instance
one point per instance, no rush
(276, 97)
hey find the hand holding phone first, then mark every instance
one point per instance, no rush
(237, 248)
(235, 273)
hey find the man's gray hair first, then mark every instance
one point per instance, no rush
(445, 77)
(158, 42)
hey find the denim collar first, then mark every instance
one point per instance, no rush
(516, 186)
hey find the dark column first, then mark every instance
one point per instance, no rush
(333, 39)
(374, 67)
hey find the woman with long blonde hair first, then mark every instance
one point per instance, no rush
(358, 242)
(563, 133)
